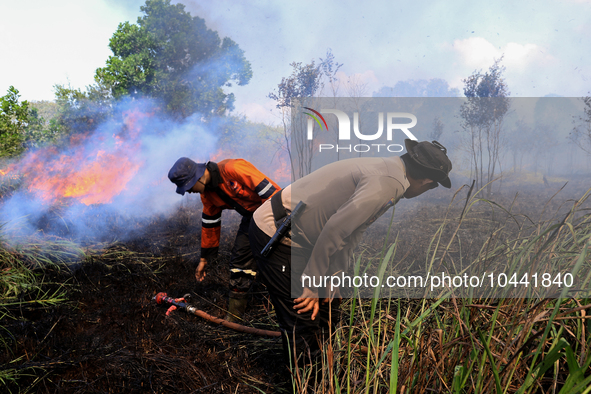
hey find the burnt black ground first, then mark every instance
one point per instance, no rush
(111, 337)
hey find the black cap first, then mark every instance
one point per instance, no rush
(185, 173)
(433, 157)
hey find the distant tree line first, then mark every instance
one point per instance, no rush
(581, 133)
(435, 87)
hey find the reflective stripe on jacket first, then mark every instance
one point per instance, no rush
(240, 181)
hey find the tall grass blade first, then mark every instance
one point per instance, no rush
(395, 354)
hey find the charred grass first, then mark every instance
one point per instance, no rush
(105, 334)
(83, 321)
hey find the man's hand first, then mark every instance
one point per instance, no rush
(200, 270)
(308, 301)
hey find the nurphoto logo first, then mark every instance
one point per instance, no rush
(393, 122)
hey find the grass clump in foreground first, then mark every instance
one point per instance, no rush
(23, 287)
(474, 344)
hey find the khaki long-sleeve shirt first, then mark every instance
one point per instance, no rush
(342, 199)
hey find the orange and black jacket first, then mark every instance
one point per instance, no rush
(234, 184)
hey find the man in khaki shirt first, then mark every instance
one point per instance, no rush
(342, 199)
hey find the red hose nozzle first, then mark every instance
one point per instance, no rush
(159, 297)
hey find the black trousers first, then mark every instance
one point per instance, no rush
(242, 264)
(302, 336)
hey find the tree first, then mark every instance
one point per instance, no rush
(304, 81)
(174, 57)
(80, 111)
(13, 122)
(482, 118)
(330, 68)
(437, 131)
(13, 115)
(522, 137)
(21, 126)
(356, 90)
(435, 87)
(551, 115)
(581, 133)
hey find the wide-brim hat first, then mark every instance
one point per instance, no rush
(432, 156)
(185, 173)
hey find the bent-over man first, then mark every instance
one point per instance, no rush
(342, 199)
(229, 184)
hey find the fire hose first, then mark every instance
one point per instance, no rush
(162, 298)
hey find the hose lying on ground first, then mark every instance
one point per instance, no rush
(162, 298)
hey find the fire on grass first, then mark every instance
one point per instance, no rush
(92, 170)
(97, 167)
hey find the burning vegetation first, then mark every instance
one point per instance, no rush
(84, 321)
(106, 190)
(91, 231)
(93, 169)
(80, 317)
(99, 232)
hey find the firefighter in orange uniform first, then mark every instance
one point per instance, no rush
(230, 184)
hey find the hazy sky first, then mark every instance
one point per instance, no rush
(545, 43)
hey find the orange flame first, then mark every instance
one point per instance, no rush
(219, 156)
(283, 172)
(8, 173)
(92, 174)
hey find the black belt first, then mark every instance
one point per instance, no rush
(279, 211)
